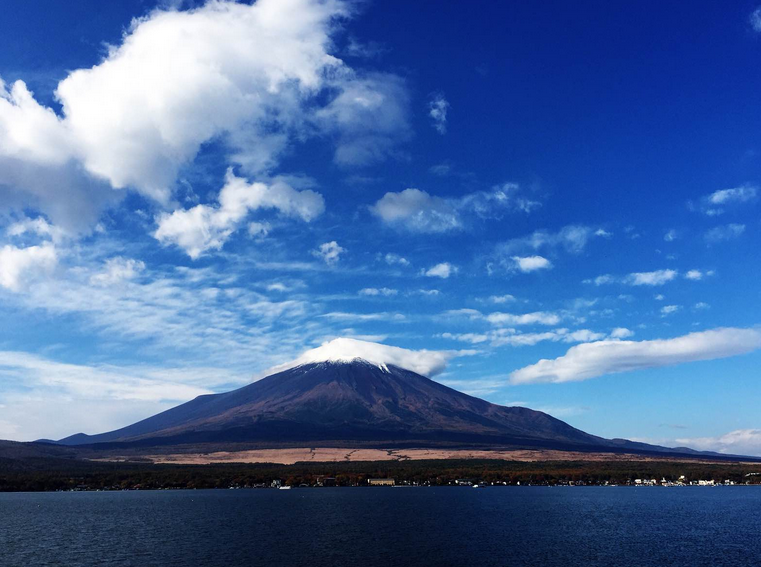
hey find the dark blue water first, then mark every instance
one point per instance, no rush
(385, 526)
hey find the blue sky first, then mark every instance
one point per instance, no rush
(563, 203)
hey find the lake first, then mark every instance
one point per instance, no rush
(545, 526)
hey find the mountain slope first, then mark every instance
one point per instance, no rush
(346, 401)
(354, 402)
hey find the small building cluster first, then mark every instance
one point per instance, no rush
(682, 481)
(326, 481)
(381, 481)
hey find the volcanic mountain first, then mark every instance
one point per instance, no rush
(341, 400)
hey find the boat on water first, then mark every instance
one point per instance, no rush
(284, 487)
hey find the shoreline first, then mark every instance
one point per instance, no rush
(81, 475)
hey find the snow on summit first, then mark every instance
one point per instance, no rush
(425, 362)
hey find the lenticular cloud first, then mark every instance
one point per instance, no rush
(590, 360)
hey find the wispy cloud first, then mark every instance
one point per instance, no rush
(474, 387)
(654, 278)
(438, 107)
(514, 338)
(669, 310)
(418, 211)
(507, 298)
(117, 270)
(718, 202)
(396, 260)
(361, 317)
(43, 397)
(737, 442)
(374, 292)
(724, 232)
(429, 292)
(572, 238)
(196, 315)
(535, 318)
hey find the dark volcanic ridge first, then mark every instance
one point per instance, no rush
(360, 404)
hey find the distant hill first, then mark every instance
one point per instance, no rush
(15, 457)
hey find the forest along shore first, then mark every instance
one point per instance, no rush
(55, 475)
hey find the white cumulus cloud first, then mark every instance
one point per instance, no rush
(254, 77)
(396, 259)
(658, 277)
(697, 275)
(329, 252)
(528, 264)
(417, 211)
(621, 333)
(37, 226)
(18, 265)
(207, 227)
(147, 108)
(443, 270)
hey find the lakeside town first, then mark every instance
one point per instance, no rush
(59, 475)
(682, 481)
(333, 482)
